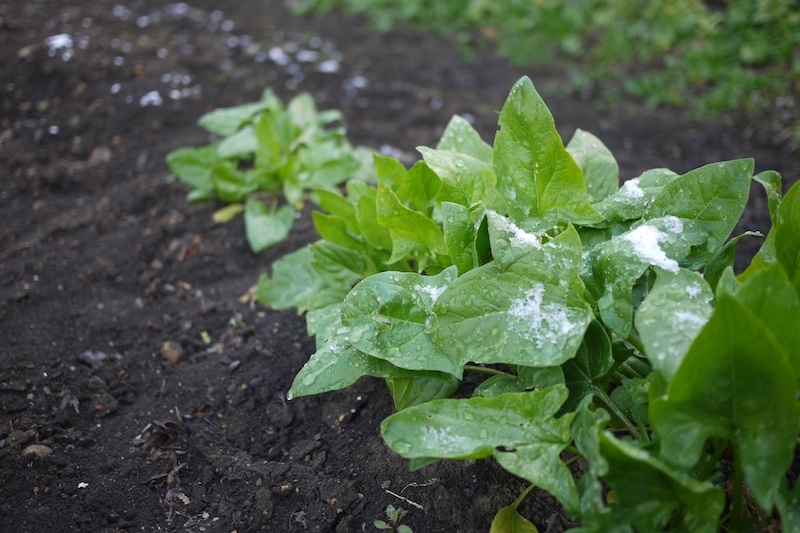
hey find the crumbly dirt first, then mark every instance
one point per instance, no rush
(138, 391)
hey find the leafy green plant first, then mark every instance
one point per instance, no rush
(268, 156)
(607, 320)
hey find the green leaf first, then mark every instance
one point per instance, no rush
(671, 316)
(459, 136)
(193, 165)
(712, 197)
(772, 183)
(518, 429)
(629, 202)
(586, 429)
(420, 389)
(519, 311)
(241, 145)
(418, 188)
(387, 315)
(270, 149)
(725, 258)
(338, 206)
(584, 373)
(459, 234)
(497, 385)
(652, 495)
(618, 263)
(508, 520)
(736, 383)
(231, 184)
(464, 179)
(787, 235)
(265, 227)
(389, 170)
(337, 230)
(226, 121)
(297, 282)
(535, 173)
(367, 216)
(406, 224)
(337, 365)
(600, 169)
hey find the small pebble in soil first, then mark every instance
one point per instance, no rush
(172, 351)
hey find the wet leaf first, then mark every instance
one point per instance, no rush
(518, 429)
(459, 136)
(671, 316)
(465, 180)
(599, 167)
(535, 174)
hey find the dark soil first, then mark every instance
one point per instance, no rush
(115, 414)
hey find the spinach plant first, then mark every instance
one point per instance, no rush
(267, 157)
(607, 321)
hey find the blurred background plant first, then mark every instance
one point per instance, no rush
(712, 56)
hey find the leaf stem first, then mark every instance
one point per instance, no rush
(522, 496)
(636, 344)
(737, 499)
(617, 412)
(486, 370)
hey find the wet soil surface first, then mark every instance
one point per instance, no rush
(137, 390)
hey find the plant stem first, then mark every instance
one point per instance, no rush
(522, 496)
(619, 414)
(737, 499)
(491, 371)
(636, 344)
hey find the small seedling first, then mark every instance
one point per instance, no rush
(394, 516)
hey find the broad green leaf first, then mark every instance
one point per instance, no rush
(712, 197)
(420, 389)
(789, 506)
(773, 186)
(584, 374)
(404, 223)
(418, 188)
(725, 258)
(518, 429)
(562, 256)
(337, 365)
(497, 385)
(652, 495)
(459, 234)
(787, 235)
(322, 323)
(464, 179)
(193, 165)
(387, 315)
(231, 184)
(264, 226)
(768, 294)
(326, 164)
(671, 316)
(618, 263)
(629, 202)
(389, 170)
(337, 230)
(600, 169)
(337, 265)
(508, 520)
(529, 377)
(337, 205)
(586, 429)
(633, 399)
(535, 173)
(296, 283)
(459, 136)
(269, 152)
(521, 312)
(367, 216)
(240, 145)
(226, 121)
(303, 111)
(736, 383)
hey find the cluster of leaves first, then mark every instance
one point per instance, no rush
(738, 56)
(583, 304)
(267, 157)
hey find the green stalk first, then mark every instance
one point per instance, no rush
(491, 371)
(522, 496)
(737, 499)
(617, 412)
